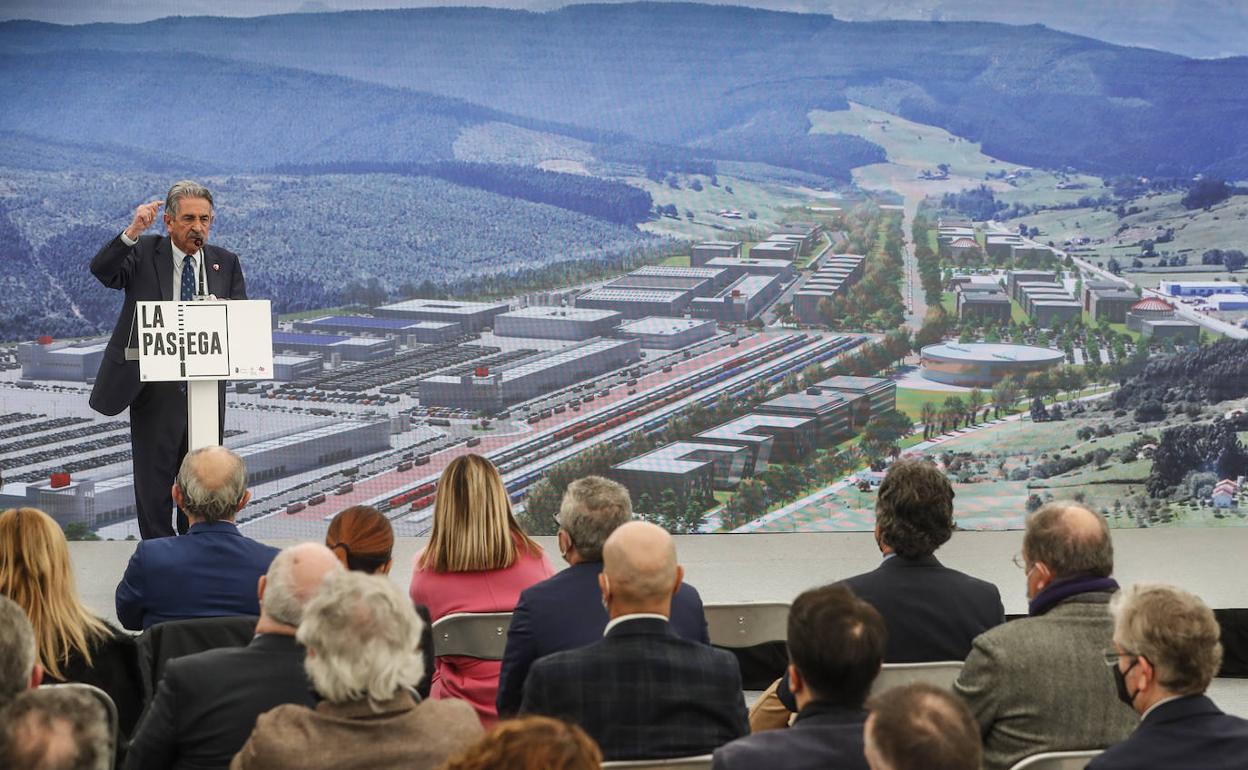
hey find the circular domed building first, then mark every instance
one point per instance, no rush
(984, 364)
(1148, 309)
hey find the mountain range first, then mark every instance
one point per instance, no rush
(727, 82)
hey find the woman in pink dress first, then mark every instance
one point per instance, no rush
(477, 560)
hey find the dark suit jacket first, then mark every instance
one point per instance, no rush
(145, 273)
(115, 670)
(210, 571)
(565, 612)
(642, 692)
(824, 736)
(1190, 732)
(206, 704)
(932, 612)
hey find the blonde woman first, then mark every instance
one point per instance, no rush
(477, 560)
(73, 645)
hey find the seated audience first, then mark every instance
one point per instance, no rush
(212, 570)
(530, 743)
(836, 646)
(55, 728)
(1039, 683)
(932, 612)
(920, 727)
(477, 560)
(363, 540)
(362, 659)
(74, 645)
(565, 611)
(1165, 654)
(19, 661)
(641, 691)
(206, 704)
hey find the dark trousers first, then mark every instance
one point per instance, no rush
(158, 445)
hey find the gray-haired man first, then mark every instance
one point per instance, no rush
(55, 728)
(565, 611)
(19, 667)
(206, 704)
(212, 570)
(178, 266)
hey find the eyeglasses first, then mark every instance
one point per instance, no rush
(1112, 655)
(1019, 562)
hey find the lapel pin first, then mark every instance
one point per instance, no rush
(215, 266)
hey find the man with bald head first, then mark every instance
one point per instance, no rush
(206, 704)
(212, 570)
(642, 691)
(1041, 683)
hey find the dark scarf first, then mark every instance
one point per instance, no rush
(1059, 590)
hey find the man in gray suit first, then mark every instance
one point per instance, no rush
(1040, 683)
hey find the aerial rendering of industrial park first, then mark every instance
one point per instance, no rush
(743, 328)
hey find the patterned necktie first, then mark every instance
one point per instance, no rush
(188, 278)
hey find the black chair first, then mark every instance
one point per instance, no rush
(165, 641)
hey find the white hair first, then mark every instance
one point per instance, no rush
(363, 639)
(185, 188)
(17, 649)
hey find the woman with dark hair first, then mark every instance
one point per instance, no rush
(477, 560)
(363, 540)
(530, 743)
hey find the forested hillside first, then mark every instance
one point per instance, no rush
(684, 74)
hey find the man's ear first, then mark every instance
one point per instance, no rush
(604, 585)
(36, 676)
(260, 586)
(680, 576)
(177, 495)
(796, 684)
(241, 503)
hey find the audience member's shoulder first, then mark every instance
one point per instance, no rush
(450, 713)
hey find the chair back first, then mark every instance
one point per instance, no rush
(481, 635)
(165, 641)
(702, 762)
(940, 674)
(1057, 760)
(747, 624)
(110, 712)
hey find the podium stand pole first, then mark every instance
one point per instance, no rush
(203, 416)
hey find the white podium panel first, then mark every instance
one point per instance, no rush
(201, 343)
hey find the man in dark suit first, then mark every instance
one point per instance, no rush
(565, 612)
(932, 612)
(206, 704)
(641, 691)
(151, 268)
(836, 646)
(210, 572)
(920, 727)
(1166, 653)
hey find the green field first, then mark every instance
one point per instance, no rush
(911, 400)
(676, 260)
(770, 202)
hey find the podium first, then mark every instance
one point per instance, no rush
(201, 343)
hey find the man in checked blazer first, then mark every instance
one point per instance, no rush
(642, 692)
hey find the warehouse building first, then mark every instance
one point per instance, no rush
(1228, 301)
(1110, 304)
(832, 279)
(717, 276)
(830, 411)
(98, 501)
(333, 347)
(1182, 332)
(1051, 313)
(880, 394)
(471, 316)
(636, 304)
(769, 437)
(735, 267)
(984, 306)
(774, 250)
(1014, 277)
(1000, 246)
(687, 468)
(1201, 288)
(494, 389)
(703, 252)
(68, 361)
(807, 234)
(288, 368)
(1099, 285)
(662, 333)
(556, 323)
(739, 301)
(694, 285)
(405, 330)
(1148, 309)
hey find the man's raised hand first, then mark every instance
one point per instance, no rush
(144, 216)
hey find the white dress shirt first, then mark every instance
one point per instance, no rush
(633, 616)
(178, 258)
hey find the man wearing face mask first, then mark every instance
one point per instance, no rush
(178, 266)
(1039, 684)
(1165, 654)
(566, 611)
